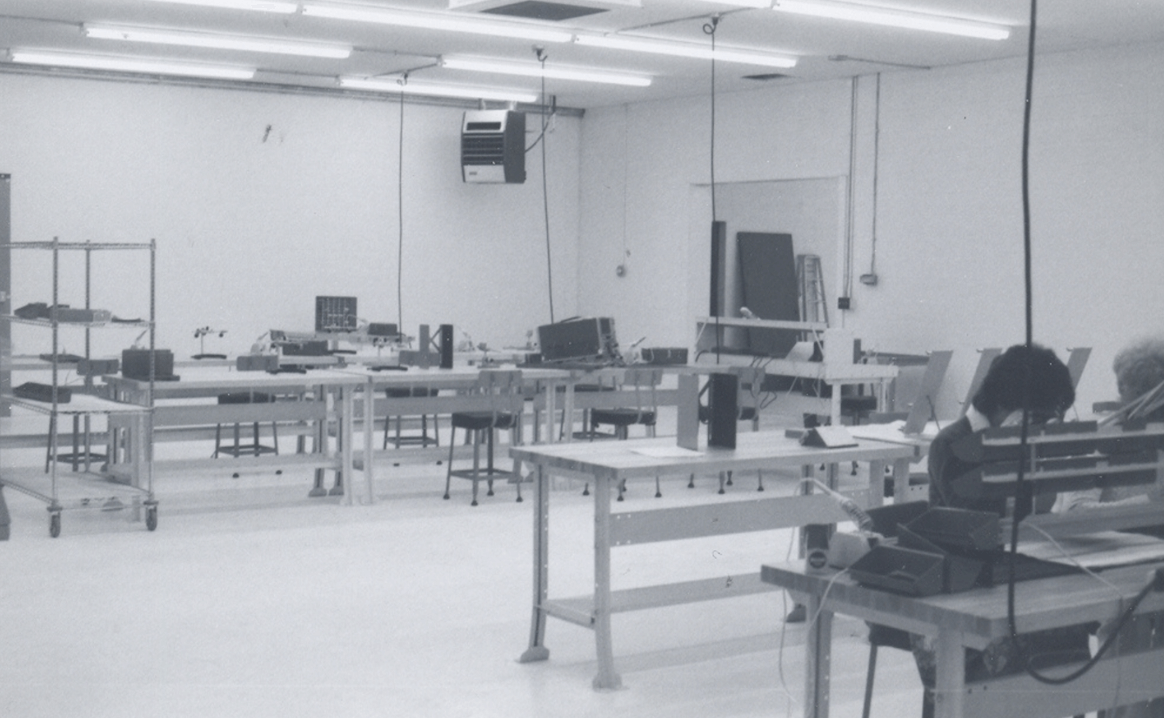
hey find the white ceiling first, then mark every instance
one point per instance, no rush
(382, 50)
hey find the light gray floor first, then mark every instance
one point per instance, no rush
(252, 600)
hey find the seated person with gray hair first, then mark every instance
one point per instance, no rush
(1139, 368)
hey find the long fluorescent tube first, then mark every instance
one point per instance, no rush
(433, 21)
(685, 49)
(279, 6)
(224, 42)
(893, 18)
(424, 88)
(557, 73)
(124, 64)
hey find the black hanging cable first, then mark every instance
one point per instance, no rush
(709, 28)
(545, 192)
(400, 217)
(1022, 500)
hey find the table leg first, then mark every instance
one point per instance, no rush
(537, 650)
(344, 438)
(607, 678)
(876, 483)
(950, 685)
(321, 445)
(341, 442)
(551, 391)
(369, 447)
(819, 645)
(901, 481)
(568, 411)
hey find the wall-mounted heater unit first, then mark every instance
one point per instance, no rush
(493, 146)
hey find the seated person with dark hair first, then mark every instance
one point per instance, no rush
(999, 402)
(1034, 375)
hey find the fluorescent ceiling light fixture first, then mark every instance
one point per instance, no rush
(224, 42)
(279, 6)
(125, 64)
(428, 88)
(874, 15)
(685, 49)
(431, 21)
(557, 73)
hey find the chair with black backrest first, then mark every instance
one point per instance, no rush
(501, 394)
(400, 439)
(254, 447)
(640, 384)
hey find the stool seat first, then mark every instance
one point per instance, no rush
(862, 403)
(746, 413)
(622, 417)
(478, 420)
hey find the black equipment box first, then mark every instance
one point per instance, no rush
(135, 364)
(665, 356)
(42, 392)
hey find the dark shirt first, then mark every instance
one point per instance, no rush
(945, 467)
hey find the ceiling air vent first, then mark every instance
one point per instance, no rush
(540, 9)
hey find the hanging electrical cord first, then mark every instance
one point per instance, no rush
(400, 217)
(709, 28)
(545, 191)
(1023, 496)
(847, 288)
(871, 278)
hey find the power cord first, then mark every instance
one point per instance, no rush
(400, 215)
(709, 29)
(1023, 495)
(541, 55)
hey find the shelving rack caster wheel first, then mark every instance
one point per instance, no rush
(151, 518)
(55, 524)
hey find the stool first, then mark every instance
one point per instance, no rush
(644, 412)
(423, 439)
(505, 402)
(254, 448)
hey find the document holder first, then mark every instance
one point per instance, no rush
(900, 570)
(959, 573)
(888, 519)
(828, 437)
(958, 528)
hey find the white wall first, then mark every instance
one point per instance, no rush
(948, 210)
(252, 223)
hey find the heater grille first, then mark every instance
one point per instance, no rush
(493, 146)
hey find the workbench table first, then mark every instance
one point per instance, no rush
(605, 464)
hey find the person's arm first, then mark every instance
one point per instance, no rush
(1072, 500)
(1094, 499)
